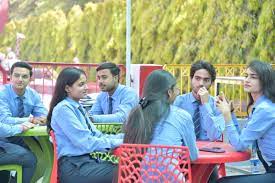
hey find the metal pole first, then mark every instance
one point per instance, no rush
(128, 42)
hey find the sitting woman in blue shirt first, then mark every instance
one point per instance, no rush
(76, 136)
(260, 129)
(156, 121)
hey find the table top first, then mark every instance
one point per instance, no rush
(35, 131)
(230, 155)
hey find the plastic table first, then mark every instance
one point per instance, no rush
(206, 162)
(37, 139)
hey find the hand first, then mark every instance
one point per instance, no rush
(221, 97)
(203, 95)
(27, 125)
(39, 120)
(225, 107)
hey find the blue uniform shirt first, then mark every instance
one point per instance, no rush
(260, 126)
(73, 136)
(212, 121)
(7, 130)
(9, 105)
(124, 99)
(176, 129)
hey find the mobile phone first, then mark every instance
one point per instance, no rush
(212, 149)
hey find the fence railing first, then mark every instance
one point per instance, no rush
(233, 90)
(45, 75)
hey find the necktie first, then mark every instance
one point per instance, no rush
(110, 108)
(20, 107)
(196, 119)
(86, 120)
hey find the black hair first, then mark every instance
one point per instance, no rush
(153, 107)
(67, 76)
(201, 64)
(267, 80)
(21, 64)
(114, 69)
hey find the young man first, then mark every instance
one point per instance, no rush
(20, 103)
(21, 108)
(208, 120)
(115, 101)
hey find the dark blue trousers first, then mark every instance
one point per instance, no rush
(84, 169)
(257, 178)
(15, 154)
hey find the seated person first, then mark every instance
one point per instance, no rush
(76, 136)
(209, 124)
(14, 154)
(20, 103)
(156, 121)
(260, 129)
(115, 101)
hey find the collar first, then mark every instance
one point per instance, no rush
(258, 101)
(192, 98)
(116, 93)
(72, 102)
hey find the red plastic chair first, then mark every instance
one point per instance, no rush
(54, 174)
(153, 163)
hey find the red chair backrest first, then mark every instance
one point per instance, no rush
(54, 174)
(153, 163)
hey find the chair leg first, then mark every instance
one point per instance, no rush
(19, 175)
(222, 171)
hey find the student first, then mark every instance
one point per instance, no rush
(20, 103)
(115, 101)
(156, 121)
(208, 120)
(15, 154)
(76, 136)
(259, 83)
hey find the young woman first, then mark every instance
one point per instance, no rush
(76, 136)
(260, 129)
(156, 121)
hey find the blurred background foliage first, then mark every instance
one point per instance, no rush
(163, 31)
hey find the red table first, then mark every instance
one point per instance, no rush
(206, 162)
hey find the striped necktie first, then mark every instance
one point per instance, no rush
(196, 119)
(110, 107)
(20, 107)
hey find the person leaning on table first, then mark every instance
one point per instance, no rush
(15, 154)
(259, 83)
(115, 101)
(76, 136)
(20, 103)
(156, 121)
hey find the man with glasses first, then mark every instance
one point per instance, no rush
(21, 107)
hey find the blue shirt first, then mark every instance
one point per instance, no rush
(176, 129)
(124, 99)
(260, 126)
(9, 105)
(7, 130)
(212, 121)
(73, 136)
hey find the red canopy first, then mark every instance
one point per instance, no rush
(4, 8)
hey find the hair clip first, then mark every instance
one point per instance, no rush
(143, 102)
